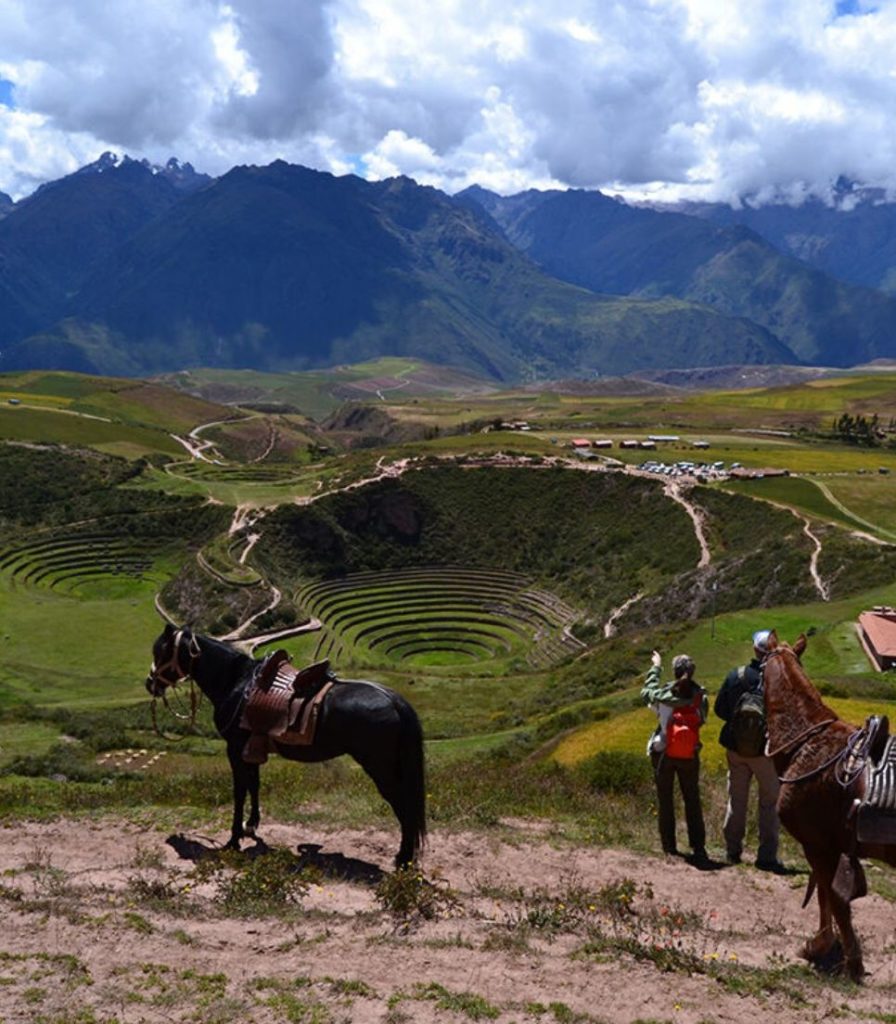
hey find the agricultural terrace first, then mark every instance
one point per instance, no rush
(439, 616)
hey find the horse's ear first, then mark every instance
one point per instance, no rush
(168, 630)
(800, 645)
(772, 640)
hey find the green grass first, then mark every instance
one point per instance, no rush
(628, 732)
(57, 649)
(20, 738)
(871, 498)
(60, 426)
(801, 493)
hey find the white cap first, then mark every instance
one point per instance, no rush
(760, 640)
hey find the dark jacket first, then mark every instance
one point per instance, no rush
(732, 690)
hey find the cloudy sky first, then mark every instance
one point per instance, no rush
(715, 98)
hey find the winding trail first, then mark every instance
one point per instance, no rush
(272, 439)
(673, 490)
(826, 491)
(236, 633)
(824, 591)
(617, 613)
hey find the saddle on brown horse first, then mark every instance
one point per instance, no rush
(283, 705)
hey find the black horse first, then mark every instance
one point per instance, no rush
(370, 722)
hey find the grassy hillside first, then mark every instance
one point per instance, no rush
(564, 528)
(88, 540)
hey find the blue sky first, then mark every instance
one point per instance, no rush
(701, 98)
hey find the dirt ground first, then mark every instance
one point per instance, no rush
(83, 941)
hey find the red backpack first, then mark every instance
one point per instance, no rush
(683, 730)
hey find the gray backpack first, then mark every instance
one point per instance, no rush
(748, 732)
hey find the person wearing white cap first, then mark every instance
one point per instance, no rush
(740, 705)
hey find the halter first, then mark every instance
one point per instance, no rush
(158, 672)
(172, 667)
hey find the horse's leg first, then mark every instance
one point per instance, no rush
(387, 780)
(245, 780)
(852, 950)
(819, 946)
(252, 781)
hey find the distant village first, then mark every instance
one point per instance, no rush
(701, 471)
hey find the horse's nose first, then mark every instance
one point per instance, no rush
(151, 686)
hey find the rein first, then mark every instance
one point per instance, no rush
(803, 736)
(191, 718)
(844, 779)
(837, 756)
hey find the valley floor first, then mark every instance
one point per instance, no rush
(107, 922)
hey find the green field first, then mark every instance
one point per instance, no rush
(802, 493)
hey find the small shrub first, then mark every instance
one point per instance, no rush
(616, 771)
(262, 884)
(407, 894)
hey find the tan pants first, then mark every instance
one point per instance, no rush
(740, 771)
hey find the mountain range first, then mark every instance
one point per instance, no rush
(130, 269)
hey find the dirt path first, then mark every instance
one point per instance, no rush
(824, 591)
(106, 921)
(826, 491)
(617, 613)
(236, 633)
(674, 491)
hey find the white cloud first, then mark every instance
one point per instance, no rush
(669, 95)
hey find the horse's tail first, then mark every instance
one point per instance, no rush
(412, 780)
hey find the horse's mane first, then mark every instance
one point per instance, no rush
(792, 703)
(223, 653)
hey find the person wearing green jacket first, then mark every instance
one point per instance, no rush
(681, 707)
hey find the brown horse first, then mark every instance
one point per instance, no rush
(819, 758)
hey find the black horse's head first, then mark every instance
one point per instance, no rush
(173, 656)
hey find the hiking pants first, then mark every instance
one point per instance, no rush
(687, 770)
(740, 771)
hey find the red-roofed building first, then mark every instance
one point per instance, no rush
(878, 632)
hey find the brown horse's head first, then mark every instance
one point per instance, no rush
(792, 704)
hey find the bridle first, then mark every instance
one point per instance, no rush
(170, 673)
(848, 762)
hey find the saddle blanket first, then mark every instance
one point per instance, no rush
(283, 706)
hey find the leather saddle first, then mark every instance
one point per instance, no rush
(283, 705)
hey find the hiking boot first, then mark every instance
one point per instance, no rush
(774, 866)
(670, 851)
(732, 858)
(700, 856)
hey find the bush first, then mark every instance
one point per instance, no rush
(615, 771)
(408, 895)
(63, 762)
(260, 885)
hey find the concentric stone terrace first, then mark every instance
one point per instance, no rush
(440, 615)
(68, 561)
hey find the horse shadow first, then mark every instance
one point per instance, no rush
(335, 866)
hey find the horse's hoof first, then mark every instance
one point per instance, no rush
(826, 958)
(855, 970)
